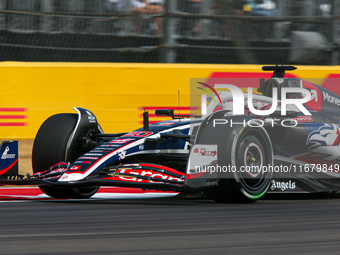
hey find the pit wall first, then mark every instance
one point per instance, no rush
(31, 92)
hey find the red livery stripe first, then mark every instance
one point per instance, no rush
(12, 124)
(7, 168)
(168, 117)
(153, 122)
(188, 108)
(13, 109)
(13, 116)
(34, 193)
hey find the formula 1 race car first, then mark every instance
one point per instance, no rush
(285, 140)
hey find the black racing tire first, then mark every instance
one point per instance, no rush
(49, 148)
(253, 150)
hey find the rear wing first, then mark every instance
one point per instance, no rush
(9, 160)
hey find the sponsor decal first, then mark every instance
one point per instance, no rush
(91, 117)
(5, 154)
(139, 134)
(303, 119)
(202, 156)
(64, 177)
(149, 173)
(121, 155)
(110, 145)
(93, 154)
(121, 141)
(205, 152)
(74, 168)
(83, 162)
(109, 148)
(331, 99)
(141, 147)
(290, 185)
(88, 158)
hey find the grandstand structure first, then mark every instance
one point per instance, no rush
(171, 31)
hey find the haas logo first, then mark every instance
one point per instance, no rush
(5, 155)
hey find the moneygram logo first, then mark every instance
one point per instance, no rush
(238, 99)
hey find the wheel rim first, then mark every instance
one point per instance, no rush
(253, 159)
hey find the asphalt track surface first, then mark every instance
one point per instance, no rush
(170, 226)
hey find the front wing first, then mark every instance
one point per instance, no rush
(142, 175)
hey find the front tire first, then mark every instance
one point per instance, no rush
(251, 151)
(49, 148)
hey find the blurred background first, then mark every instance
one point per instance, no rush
(171, 31)
(124, 33)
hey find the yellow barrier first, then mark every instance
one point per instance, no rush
(31, 92)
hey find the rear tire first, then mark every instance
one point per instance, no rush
(49, 148)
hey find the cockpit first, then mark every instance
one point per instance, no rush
(266, 87)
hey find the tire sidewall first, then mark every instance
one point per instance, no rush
(49, 148)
